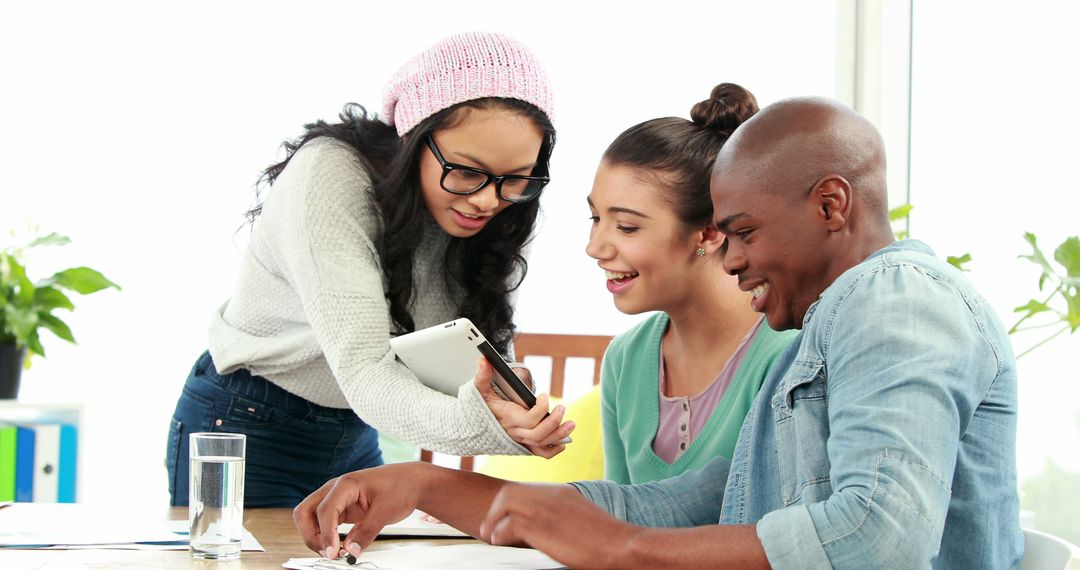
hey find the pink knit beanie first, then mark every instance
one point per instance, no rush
(460, 68)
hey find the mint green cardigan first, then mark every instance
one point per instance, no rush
(630, 402)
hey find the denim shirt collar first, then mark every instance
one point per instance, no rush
(904, 245)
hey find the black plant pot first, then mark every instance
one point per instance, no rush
(11, 365)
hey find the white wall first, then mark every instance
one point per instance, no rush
(138, 129)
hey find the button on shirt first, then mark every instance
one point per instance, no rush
(682, 418)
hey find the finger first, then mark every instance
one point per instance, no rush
(343, 494)
(428, 518)
(560, 434)
(533, 416)
(542, 405)
(503, 531)
(542, 431)
(547, 451)
(482, 380)
(496, 512)
(368, 527)
(305, 519)
(513, 416)
(507, 512)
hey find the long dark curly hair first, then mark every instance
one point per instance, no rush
(487, 266)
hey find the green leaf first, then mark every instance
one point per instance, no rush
(16, 276)
(900, 212)
(958, 262)
(58, 327)
(1068, 255)
(51, 239)
(1038, 258)
(903, 234)
(49, 298)
(20, 321)
(1032, 307)
(33, 344)
(82, 280)
(1073, 303)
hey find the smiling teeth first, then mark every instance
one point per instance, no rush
(470, 216)
(617, 276)
(759, 290)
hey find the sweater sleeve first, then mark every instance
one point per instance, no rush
(323, 242)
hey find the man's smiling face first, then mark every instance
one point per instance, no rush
(774, 245)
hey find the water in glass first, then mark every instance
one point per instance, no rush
(217, 507)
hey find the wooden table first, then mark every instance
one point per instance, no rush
(273, 528)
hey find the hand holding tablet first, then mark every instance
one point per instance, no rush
(444, 357)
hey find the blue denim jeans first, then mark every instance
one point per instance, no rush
(293, 445)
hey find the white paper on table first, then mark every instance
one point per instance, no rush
(426, 556)
(74, 526)
(248, 543)
(46, 524)
(413, 526)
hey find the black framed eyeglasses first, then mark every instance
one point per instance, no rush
(464, 180)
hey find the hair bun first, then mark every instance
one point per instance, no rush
(727, 107)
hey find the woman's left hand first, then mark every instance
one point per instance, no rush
(528, 427)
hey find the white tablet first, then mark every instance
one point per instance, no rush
(444, 357)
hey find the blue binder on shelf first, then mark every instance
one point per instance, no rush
(24, 464)
(67, 468)
(45, 461)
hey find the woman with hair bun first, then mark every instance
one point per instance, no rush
(675, 388)
(375, 227)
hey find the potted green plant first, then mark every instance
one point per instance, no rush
(26, 307)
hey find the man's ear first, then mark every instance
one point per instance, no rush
(832, 195)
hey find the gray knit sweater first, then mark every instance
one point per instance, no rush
(310, 314)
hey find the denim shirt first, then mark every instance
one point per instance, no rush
(884, 438)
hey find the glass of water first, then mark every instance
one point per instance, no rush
(216, 495)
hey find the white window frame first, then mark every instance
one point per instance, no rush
(873, 76)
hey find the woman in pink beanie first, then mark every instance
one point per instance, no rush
(376, 226)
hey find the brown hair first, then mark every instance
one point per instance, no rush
(678, 154)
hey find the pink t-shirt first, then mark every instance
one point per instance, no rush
(682, 418)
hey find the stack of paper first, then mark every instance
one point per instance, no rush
(38, 525)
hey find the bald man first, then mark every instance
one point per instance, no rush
(894, 427)
(884, 438)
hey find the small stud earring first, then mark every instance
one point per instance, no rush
(700, 252)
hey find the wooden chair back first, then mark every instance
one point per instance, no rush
(559, 347)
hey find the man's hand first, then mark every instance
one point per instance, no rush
(369, 498)
(557, 520)
(528, 427)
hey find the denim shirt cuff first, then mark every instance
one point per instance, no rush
(790, 539)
